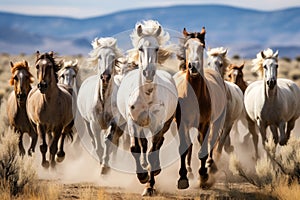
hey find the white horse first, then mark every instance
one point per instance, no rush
(218, 61)
(95, 97)
(67, 75)
(147, 98)
(202, 105)
(271, 102)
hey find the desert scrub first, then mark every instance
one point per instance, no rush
(280, 165)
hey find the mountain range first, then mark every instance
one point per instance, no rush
(244, 32)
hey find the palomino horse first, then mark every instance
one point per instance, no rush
(67, 74)
(202, 104)
(49, 107)
(271, 102)
(147, 99)
(67, 77)
(95, 98)
(21, 79)
(218, 61)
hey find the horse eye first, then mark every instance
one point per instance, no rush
(229, 75)
(265, 66)
(141, 49)
(63, 76)
(156, 49)
(276, 66)
(16, 78)
(37, 66)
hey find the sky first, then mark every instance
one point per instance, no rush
(92, 8)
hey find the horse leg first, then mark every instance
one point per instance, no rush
(251, 127)
(34, 138)
(184, 148)
(89, 127)
(111, 142)
(135, 149)
(61, 154)
(290, 127)
(225, 140)
(144, 144)
(43, 147)
(284, 137)
(262, 128)
(53, 146)
(21, 147)
(274, 133)
(189, 160)
(96, 133)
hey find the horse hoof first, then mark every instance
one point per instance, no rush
(190, 175)
(282, 142)
(156, 172)
(183, 183)
(46, 164)
(104, 169)
(212, 166)
(149, 192)
(207, 184)
(143, 177)
(53, 164)
(203, 178)
(60, 156)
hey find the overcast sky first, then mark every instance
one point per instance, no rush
(91, 8)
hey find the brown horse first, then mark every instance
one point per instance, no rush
(236, 75)
(202, 104)
(21, 79)
(49, 107)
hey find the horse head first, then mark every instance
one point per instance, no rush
(47, 70)
(68, 72)
(235, 72)
(270, 67)
(21, 79)
(217, 60)
(104, 55)
(194, 46)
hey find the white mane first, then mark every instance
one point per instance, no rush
(149, 29)
(258, 61)
(100, 43)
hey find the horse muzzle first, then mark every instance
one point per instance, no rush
(105, 79)
(42, 87)
(149, 75)
(271, 83)
(193, 68)
(21, 97)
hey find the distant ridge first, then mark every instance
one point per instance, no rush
(243, 31)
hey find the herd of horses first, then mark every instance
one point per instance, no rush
(131, 93)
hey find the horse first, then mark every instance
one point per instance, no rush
(67, 75)
(202, 105)
(49, 108)
(95, 98)
(272, 101)
(235, 75)
(21, 79)
(147, 99)
(218, 61)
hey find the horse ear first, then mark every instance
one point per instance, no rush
(139, 30)
(158, 31)
(26, 63)
(51, 54)
(276, 54)
(262, 54)
(242, 65)
(11, 64)
(184, 32)
(203, 31)
(37, 54)
(224, 52)
(75, 63)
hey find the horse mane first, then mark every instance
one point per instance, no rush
(150, 28)
(258, 61)
(100, 43)
(18, 66)
(50, 56)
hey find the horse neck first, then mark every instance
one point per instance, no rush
(242, 84)
(270, 95)
(105, 92)
(198, 84)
